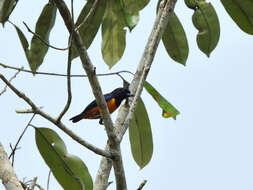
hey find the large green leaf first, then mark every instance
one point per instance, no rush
(23, 40)
(113, 33)
(206, 21)
(131, 19)
(6, 8)
(89, 27)
(192, 4)
(168, 109)
(175, 41)
(241, 11)
(44, 25)
(140, 136)
(69, 170)
(135, 6)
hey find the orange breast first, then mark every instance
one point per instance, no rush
(94, 112)
(111, 105)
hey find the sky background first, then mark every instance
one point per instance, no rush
(208, 147)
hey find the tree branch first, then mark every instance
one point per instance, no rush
(65, 109)
(89, 69)
(42, 40)
(14, 76)
(114, 146)
(33, 183)
(7, 174)
(54, 121)
(61, 75)
(91, 11)
(142, 185)
(19, 139)
(48, 179)
(125, 113)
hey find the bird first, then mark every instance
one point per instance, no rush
(113, 100)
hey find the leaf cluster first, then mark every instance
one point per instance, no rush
(114, 17)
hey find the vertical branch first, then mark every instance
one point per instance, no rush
(48, 179)
(72, 10)
(136, 86)
(68, 82)
(89, 69)
(7, 173)
(114, 146)
(103, 172)
(119, 171)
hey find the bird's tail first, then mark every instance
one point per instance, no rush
(76, 118)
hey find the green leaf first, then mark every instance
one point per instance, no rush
(44, 25)
(241, 12)
(192, 4)
(168, 109)
(140, 136)
(131, 19)
(207, 22)
(6, 8)
(175, 41)
(69, 170)
(23, 40)
(90, 26)
(113, 33)
(135, 6)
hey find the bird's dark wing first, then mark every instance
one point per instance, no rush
(108, 96)
(90, 106)
(94, 103)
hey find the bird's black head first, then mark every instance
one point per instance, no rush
(121, 92)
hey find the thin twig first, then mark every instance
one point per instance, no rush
(43, 41)
(33, 183)
(61, 75)
(91, 11)
(121, 77)
(54, 121)
(40, 38)
(142, 185)
(24, 111)
(109, 183)
(68, 85)
(72, 10)
(20, 137)
(48, 179)
(134, 103)
(14, 76)
(12, 159)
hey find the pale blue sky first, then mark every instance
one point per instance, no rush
(208, 147)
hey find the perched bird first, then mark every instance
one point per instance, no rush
(113, 100)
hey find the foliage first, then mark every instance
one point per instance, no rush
(140, 136)
(69, 170)
(114, 17)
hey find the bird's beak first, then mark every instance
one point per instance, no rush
(130, 95)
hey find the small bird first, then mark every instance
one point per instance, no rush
(113, 100)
